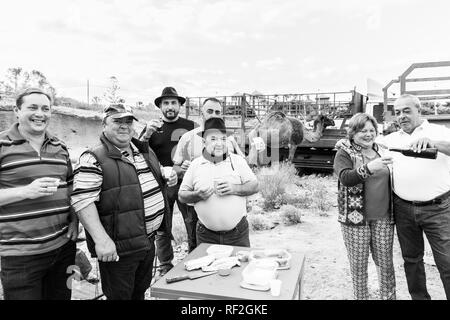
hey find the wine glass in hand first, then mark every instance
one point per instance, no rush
(379, 163)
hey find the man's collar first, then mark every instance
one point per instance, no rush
(170, 121)
(133, 148)
(15, 135)
(198, 129)
(422, 126)
(208, 158)
(113, 151)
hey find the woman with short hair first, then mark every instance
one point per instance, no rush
(365, 205)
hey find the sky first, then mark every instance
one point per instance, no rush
(220, 47)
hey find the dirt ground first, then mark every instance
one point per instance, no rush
(326, 274)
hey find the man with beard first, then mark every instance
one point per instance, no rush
(163, 139)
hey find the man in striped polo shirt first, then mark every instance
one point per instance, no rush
(37, 228)
(120, 197)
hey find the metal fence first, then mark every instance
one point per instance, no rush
(304, 106)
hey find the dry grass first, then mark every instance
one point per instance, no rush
(301, 199)
(273, 182)
(259, 222)
(178, 228)
(320, 191)
(290, 215)
(280, 185)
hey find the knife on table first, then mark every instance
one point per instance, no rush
(191, 276)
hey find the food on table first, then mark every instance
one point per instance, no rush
(219, 251)
(280, 256)
(243, 255)
(222, 263)
(199, 262)
(224, 272)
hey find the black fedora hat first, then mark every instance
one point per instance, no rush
(214, 124)
(169, 92)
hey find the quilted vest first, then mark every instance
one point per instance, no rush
(121, 207)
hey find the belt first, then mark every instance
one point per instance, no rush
(223, 232)
(437, 200)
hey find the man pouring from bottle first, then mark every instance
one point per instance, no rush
(421, 193)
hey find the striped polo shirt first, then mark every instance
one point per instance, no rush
(88, 179)
(33, 226)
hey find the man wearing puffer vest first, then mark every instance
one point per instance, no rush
(120, 197)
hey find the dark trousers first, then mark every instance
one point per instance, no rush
(412, 221)
(44, 276)
(128, 278)
(164, 249)
(238, 236)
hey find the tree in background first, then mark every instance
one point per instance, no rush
(111, 94)
(96, 101)
(17, 79)
(13, 78)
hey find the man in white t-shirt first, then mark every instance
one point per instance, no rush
(190, 147)
(421, 194)
(217, 183)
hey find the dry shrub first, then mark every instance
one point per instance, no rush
(259, 222)
(273, 182)
(320, 190)
(290, 215)
(321, 198)
(256, 210)
(178, 229)
(300, 199)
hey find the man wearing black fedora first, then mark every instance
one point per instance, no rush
(217, 184)
(163, 137)
(191, 146)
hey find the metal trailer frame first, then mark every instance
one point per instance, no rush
(422, 94)
(308, 155)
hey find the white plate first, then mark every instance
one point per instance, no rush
(245, 285)
(260, 272)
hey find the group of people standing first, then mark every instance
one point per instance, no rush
(122, 193)
(379, 189)
(124, 196)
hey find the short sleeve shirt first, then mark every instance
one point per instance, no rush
(417, 179)
(191, 146)
(218, 213)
